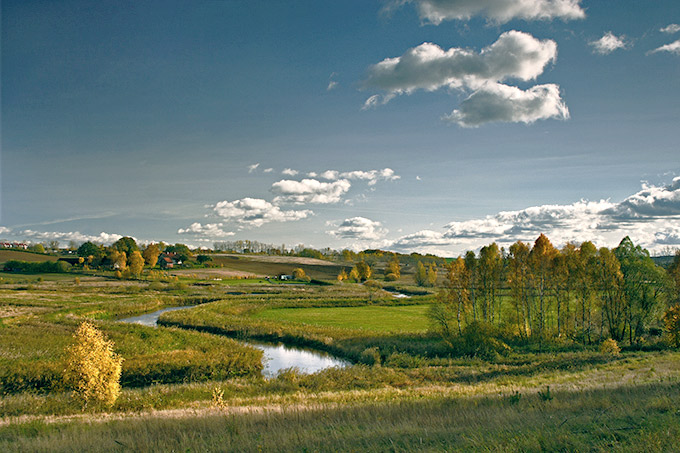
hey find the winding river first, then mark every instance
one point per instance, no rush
(277, 357)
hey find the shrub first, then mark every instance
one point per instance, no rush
(480, 340)
(672, 323)
(370, 356)
(391, 277)
(93, 369)
(609, 347)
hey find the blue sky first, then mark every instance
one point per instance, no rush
(423, 125)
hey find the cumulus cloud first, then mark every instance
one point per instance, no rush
(372, 176)
(289, 172)
(255, 212)
(502, 103)
(515, 55)
(5, 230)
(253, 167)
(650, 217)
(608, 43)
(673, 47)
(76, 236)
(497, 11)
(310, 191)
(359, 228)
(672, 28)
(213, 230)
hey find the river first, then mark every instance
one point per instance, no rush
(277, 357)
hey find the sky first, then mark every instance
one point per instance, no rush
(431, 126)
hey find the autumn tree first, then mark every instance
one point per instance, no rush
(489, 268)
(520, 287)
(151, 254)
(431, 275)
(135, 263)
(420, 276)
(671, 321)
(458, 279)
(608, 274)
(471, 266)
(393, 270)
(126, 245)
(364, 271)
(93, 369)
(541, 260)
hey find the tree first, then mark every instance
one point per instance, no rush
(671, 320)
(182, 251)
(151, 254)
(611, 295)
(490, 268)
(93, 369)
(674, 274)
(520, 287)
(457, 281)
(582, 268)
(53, 245)
(363, 270)
(299, 274)
(202, 259)
(136, 263)
(393, 270)
(342, 276)
(37, 248)
(431, 275)
(126, 245)
(471, 266)
(88, 249)
(421, 274)
(645, 286)
(541, 260)
(118, 260)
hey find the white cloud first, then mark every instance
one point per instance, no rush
(515, 55)
(359, 228)
(5, 230)
(331, 175)
(255, 212)
(253, 167)
(310, 191)
(608, 43)
(673, 47)
(212, 230)
(672, 28)
(76, 236)
(372, 176)
(650, 217)
(290, 172)
(502, 103)
(267, 170)
(332, 84)
(497, 11)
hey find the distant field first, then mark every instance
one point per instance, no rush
(405, 318)
(8, 255)
(275, 265)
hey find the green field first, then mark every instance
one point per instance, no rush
(405, 318)
(22, 255)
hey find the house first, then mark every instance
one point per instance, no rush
(169, 260)
(286, 277)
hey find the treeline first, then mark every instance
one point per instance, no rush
(46, 267)
(538, 292)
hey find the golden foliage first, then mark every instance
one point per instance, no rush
(93, 369)
(672, 321)
(609, 347)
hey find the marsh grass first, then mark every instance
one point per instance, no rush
(637, 418)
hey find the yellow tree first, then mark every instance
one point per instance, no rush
(151, 254)
(458, 279)
(93, 369)
(135, 263)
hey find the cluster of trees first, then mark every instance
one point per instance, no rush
(126, 257)
(425, 277)
(539, 291)
(360, 273)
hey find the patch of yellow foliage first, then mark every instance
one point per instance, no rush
(93, 369)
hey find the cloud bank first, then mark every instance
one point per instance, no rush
(673, 47)
(213, 230)
(497, 11)
(76, 236)
(650, 217)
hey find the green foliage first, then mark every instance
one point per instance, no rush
(182, 251)
(420, 276)
(88, 249)
(363, 271)
(125, 245)
(480, 339)
(26, 267)
(370, 356)
(37, 248)
(202, 259)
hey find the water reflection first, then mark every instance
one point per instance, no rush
(277, 357)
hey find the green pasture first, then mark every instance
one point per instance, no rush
(384, 319)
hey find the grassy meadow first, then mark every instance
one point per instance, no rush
(190, 385)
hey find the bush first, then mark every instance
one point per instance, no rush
(370, 356)
(672, 323)
(26, 267)
(609, 347)
(480, 340)
(93, 369)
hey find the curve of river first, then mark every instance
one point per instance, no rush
(277, 357)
